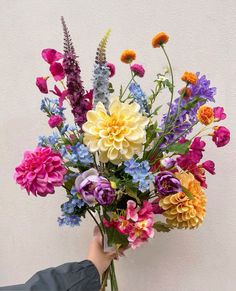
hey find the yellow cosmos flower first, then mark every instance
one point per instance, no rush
(182, 212)
(117, 135)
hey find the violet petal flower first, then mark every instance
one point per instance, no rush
(166, 183)
(168, 163)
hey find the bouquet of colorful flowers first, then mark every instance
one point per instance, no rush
(134, 174)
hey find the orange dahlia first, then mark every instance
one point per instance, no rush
(205, 115)
(160, 39)
(189, 77)
(128, 56)
(179, 210)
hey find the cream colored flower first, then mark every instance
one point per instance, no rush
(117, 135)
(180, 211)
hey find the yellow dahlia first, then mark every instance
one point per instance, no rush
(179, 210)
(117, 135)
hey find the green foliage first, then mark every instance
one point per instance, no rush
(161, 226)
(133, 193)
(115, 237)
(179, 148)
(191, 104)
(187, 193)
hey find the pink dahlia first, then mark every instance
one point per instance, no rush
(40, 171)
(138, 70)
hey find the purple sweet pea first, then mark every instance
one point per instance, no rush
(167, 184)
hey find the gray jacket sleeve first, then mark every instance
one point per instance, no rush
(81, 276)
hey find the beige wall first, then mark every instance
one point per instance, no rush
(201, 38)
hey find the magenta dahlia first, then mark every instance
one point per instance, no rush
(40, 171)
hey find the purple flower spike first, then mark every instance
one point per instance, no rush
(167, 184)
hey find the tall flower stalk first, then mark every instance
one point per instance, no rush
(79, 100)
(101, 74)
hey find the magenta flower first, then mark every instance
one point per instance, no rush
(57, 71)
(221, 136)
(138, 70)
(41, 83)
(209, 166)
(112, 69)
(146, 211)
(55, 120)
(166, 183)
(132, 211)
(219, 113)
(51, 55)
(156, 207)
(198, 144)
(40, 171)
(61, 94)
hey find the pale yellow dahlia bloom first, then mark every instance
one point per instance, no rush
(182, 212)
(117, 135)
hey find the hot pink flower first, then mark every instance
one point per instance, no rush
(156, 207)
(209, 166)
(198, 144)
(141, 232)
(57, 71)
(112, 69)
(219, 113)
(55, 120)
(131, 211)
(221, 136)
(40, 171)
(138, 70)
(51, 55)
(41, 83)
(61, 94)
(146, 211)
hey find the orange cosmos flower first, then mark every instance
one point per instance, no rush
(189, 77)
(205, 114)
(128, 56)
(159, 39)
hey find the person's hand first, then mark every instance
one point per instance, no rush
(96, 253)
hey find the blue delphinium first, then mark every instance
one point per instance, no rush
(50, 140)
(139, 96)
(101, 84)
(51, 106)
(140, 173)
(68, 208)
(70, 220)
(80, 153)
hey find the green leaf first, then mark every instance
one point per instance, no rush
(133, 193)
(115, 237)
(179, 148)
(193, 102)
(161, 226)
(187, 193)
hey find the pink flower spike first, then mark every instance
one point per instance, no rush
(209, 166)
(61, 94)
(57, 71)
(112, 69)
(55, 120)
(138, 70)
(221, 136)
(51, 55)
(131, 211)
(219, 113)
(41, 83)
